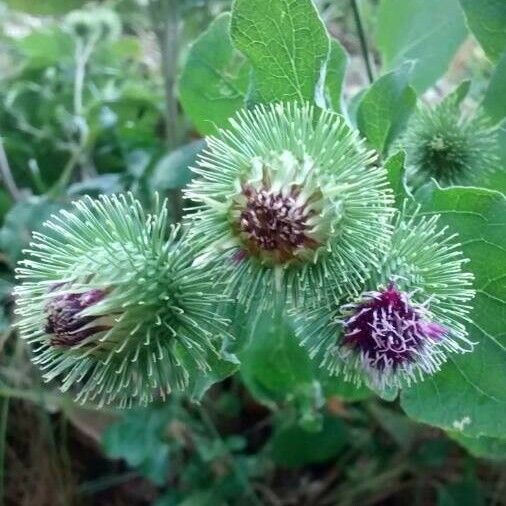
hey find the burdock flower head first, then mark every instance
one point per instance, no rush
(450, 147)
(112, 306)
(410, 316)
(289, 199)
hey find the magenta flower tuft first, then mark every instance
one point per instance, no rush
(389, 331)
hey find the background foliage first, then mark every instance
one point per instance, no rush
(127, 110)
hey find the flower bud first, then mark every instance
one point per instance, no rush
(288, 200)
(411, 314)
(112, 306)
(443, 144)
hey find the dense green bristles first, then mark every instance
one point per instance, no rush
(158, 311)
(443, 144)
(331, 164)
(425, 263)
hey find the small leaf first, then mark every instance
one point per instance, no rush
(469, 394)
(287, 45)
(395, 173)
(336, 69)
(427, 32)
(494, 102)
(138, 439)
(173, 170)
(487, 21)
(459, 93)
(214, 79)
(293, 446)
(465, 492)
(385, 108)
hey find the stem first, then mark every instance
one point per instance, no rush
(66, 174)
(4, 415)
(5, 172)
(165, 20)
(82, 56)
(363, 40)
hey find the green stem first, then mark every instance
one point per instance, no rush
(6, 174)
(165, 20)
(208, 422)
(363, 41)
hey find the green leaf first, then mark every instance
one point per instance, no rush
(428, 32)
(287, 45)
(47, 47)
(469, 394)
(385, 108)
(214, 79)
(482, 447)
(395, 173)
(274, 366)
(22, 219)
(487, 21)
(173, 170)
(494, 102)
(459, 93)
(336, 69)
(335, 386)
(293, 446)
(44, 7)
(497, 180)
(138, 439)
(465, 492)
(277, 371)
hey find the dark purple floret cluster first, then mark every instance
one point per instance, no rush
(389, 331)
(275, 222)
(65, 322)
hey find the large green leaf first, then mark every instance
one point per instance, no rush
(336, 69)
(428, 32)
(274, 367)
(385, 108)
(287, 45)
(487, 21)
(494, 102)
(214, 79)
(469, 394)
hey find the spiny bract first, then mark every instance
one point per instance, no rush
(411, 314)
(289, 201)
(112, 306)
(452, 148)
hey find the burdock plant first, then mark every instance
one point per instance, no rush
(111, 304)
(453, 148)
(410, 315)
(289, 200)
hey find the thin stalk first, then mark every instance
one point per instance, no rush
(165, 20)
(363, 40)
(5, 172)
(208, 422)
(4, 415)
